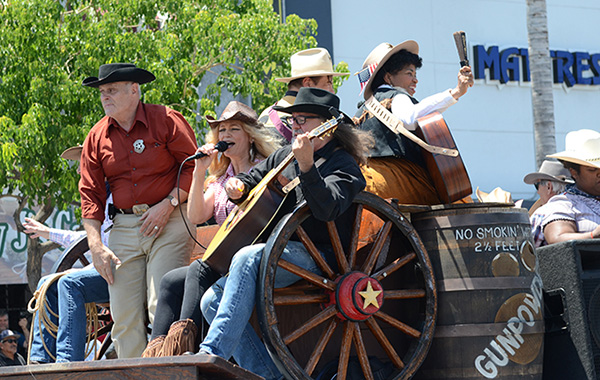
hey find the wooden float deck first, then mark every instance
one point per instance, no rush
(201, 367)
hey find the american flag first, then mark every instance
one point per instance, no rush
(365, 74)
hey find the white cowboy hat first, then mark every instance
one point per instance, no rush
(379, 57)
(549, 171)
(311, 63)
(581, 147)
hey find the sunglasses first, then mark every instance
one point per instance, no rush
(10, 341)
(300, 120)
(538, 184)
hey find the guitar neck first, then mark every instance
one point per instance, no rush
(274, 173)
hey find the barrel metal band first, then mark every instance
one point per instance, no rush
(483, 329)
(483, 283)
(496, 219)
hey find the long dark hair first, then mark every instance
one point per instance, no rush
(354, 141)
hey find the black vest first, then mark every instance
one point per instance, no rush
(387, 143)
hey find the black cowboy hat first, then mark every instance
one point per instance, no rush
(119, 72)
(315, 100)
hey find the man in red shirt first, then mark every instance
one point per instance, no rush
(138, 149)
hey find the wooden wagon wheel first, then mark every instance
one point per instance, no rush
(74, 253)
(381, 303)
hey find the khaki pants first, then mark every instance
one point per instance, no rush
(144, 261)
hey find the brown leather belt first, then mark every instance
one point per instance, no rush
(125, 210)
(131, 210)
(138, 210)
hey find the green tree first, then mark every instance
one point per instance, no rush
(48, 47)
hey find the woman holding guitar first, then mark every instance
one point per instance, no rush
(178, 309)
(329, 179)
(396, 168)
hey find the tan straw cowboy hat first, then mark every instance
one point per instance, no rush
(549, 171)
(311, 63)
(72, 153)
(379, 56)
(581, 147)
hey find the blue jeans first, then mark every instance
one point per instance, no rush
(67, 297)
(228, 305)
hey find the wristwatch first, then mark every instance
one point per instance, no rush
(174, 201)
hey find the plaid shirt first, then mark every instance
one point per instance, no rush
(68, 237)
(223, 206)
(65, 237)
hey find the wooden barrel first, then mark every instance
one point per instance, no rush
(490, 323)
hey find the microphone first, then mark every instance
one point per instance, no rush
(221, 146)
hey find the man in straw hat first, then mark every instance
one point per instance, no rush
(552, 178)
(310, 68)
(138, 148)
(328, 189)
(396, 168)
(575, 214)
(65, 298)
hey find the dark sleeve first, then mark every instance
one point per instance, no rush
(330, 189)
(258, 172)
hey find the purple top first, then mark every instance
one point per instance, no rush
(572, 205)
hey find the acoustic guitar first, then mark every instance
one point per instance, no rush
(448, 173)
(252, 221)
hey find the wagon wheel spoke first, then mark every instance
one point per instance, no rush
(320, 346)
(361, 350)
(73, 254)
(355, 234)
(279, 300)
(414, 333)
(84, 261)
(309, 276)
(314, 253)
(404, 294)
(336, 243)
(384, 342)
(345, 350)
(321, 317)
(394, 266)
(377, 248)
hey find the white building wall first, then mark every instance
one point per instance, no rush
(493, 123)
